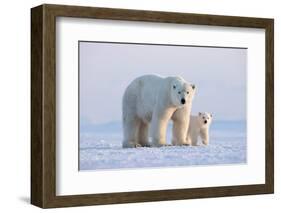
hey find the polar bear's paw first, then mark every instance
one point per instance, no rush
(144, 144)
(180, 143)
(131, 144)
(158, 143)
(162, 145)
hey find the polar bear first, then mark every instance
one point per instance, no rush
(150, 101)
(199, 126)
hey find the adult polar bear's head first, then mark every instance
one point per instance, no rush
(182, 92)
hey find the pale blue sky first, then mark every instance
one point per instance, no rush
(107, 68)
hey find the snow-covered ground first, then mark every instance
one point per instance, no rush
(101, 148)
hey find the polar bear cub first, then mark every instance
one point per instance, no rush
(199, 126)
(149, 102)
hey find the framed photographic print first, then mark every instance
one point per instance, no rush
(136, 106)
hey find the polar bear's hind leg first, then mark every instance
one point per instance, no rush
(143, 134)
(130, 128)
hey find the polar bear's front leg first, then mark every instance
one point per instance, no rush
(204, 134)
(158, 132)
(159, 123)
(181, 119)
(180, 132)
(188, 140)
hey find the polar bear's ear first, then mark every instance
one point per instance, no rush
(211, 115)
(199, 113)
(193, 86)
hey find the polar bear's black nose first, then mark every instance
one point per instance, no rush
(183, 101)
(205, 121)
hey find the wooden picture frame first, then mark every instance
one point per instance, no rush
(43, 105)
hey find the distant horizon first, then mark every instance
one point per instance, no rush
(120, 121)
(117, 125)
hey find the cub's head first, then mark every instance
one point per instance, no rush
(181, 92)
(205, 118)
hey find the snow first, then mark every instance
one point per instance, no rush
(103, 150)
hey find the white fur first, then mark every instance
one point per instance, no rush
(199, 126)
(152, 100)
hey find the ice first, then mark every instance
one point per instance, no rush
(103, 150)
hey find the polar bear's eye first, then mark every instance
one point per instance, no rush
(174, 87)
(187, 92)
(179, 92)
